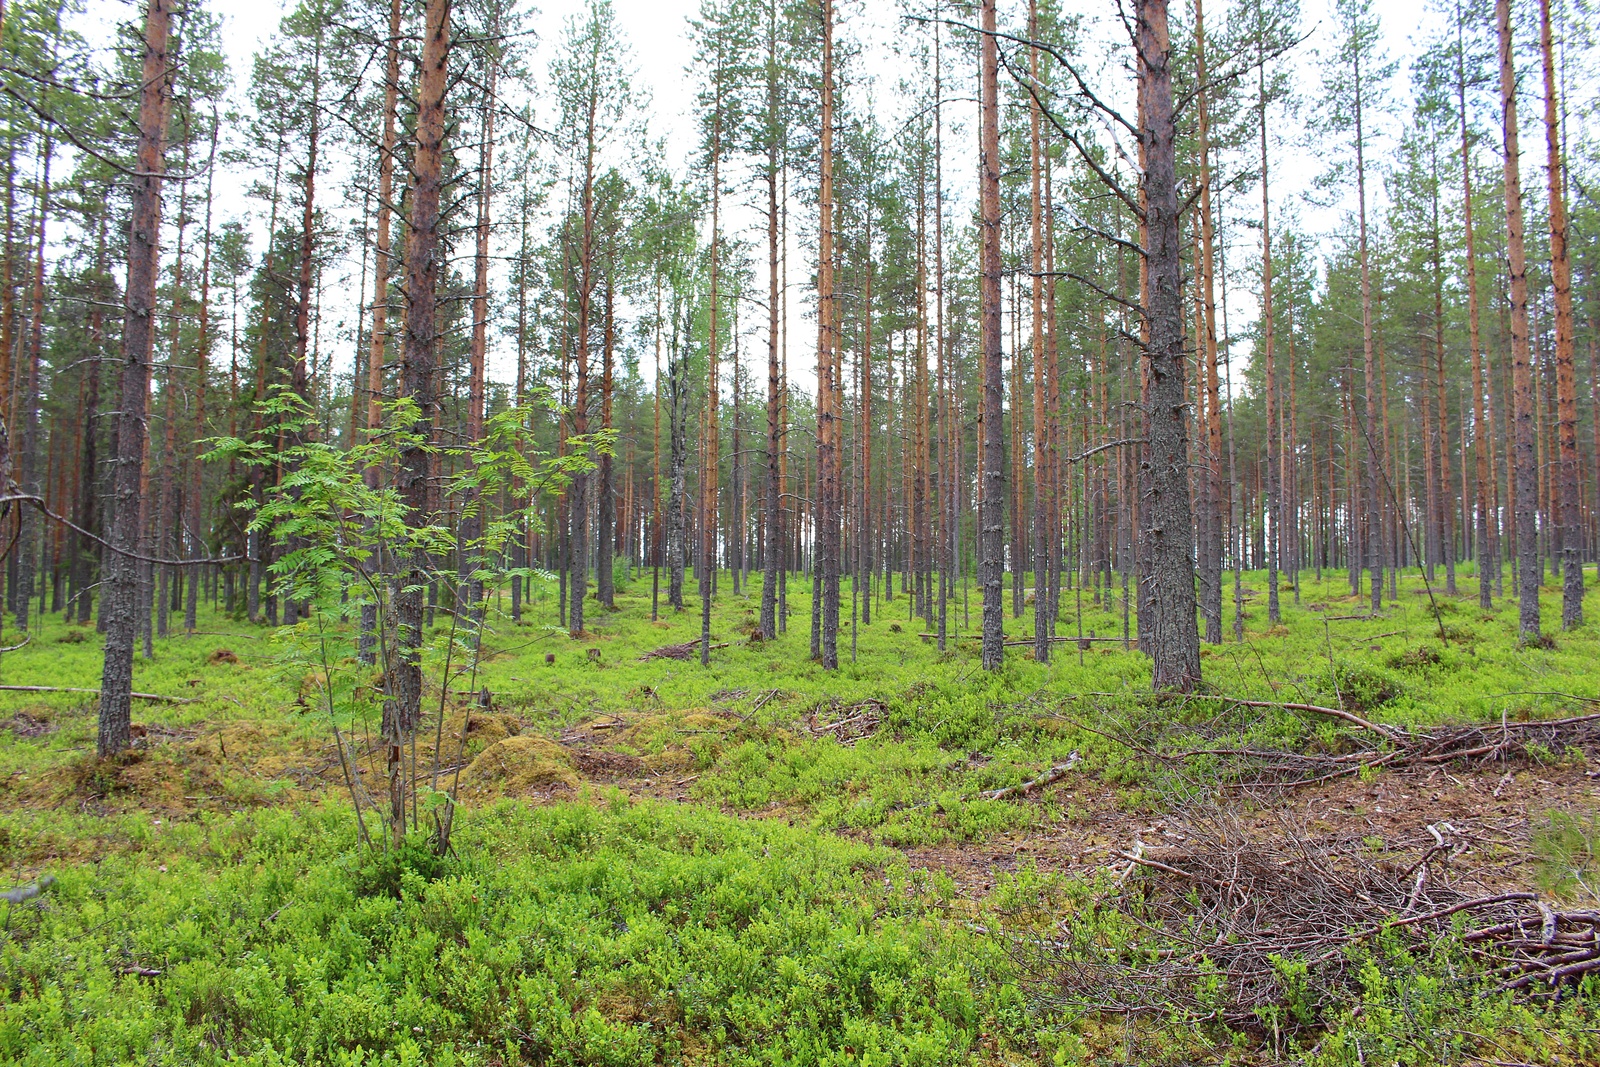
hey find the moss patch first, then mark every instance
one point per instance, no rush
(518, 766)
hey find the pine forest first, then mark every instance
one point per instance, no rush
(800, 532)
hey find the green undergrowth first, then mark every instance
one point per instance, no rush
(623, 932)
(606, 933)
(1568, 846)
(751, 731)
(701, 864)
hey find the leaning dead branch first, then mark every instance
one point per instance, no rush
(1224, 741)
(1393, 748)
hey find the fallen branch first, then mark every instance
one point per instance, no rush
(1145, 861)
(842, 723)
(1050, 777)
(29, 891)
(1081, 642)
(1444, 913)
(72, 689)
(1318, 709)
(1370, 746)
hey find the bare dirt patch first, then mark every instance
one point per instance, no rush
(602, 765)
(1079, 843)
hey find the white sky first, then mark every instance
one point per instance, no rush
(657, 31)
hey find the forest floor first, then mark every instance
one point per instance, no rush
(909, 860)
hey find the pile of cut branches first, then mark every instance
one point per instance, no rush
(1539, 949)
(847, 723)
(1239, 927)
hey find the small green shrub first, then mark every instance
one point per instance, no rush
(1567, 848)
(393, 870)
(1415, 659)
(1359, 687)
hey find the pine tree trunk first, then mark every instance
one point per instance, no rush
(656, 538)
(1445, 514)
(403, 708)
(1268, 347)
(29, 526)
(863, 524)
(1481, 431)
(606, 502)
(772, 560)
(789, 558)
(164, 515)
(1041, 429)
(678, 435)
(1568, 518)
(1291, 476)
(829, 496)
(522, 554)
(709, 444)
(1015, 494)
(1522, 418)
(8, 288)
(1594, 421)
(1213, 498)
(1055, 442)
(991, 481)
(737, 517)
(944, 472)
(1169, 636)
(578, 507)
(1372, 468)
(383, 271)
(471, 550)
(144, 234)
(920, 542)
(89, 486)
(201, 358)
(300, 371)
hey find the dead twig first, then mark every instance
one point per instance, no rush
(1050, 777)
(29, 891)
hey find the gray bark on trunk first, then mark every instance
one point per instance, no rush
(991, 509)
(1169, 635)
(144, 236)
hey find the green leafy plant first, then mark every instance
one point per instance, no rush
(340, 535)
